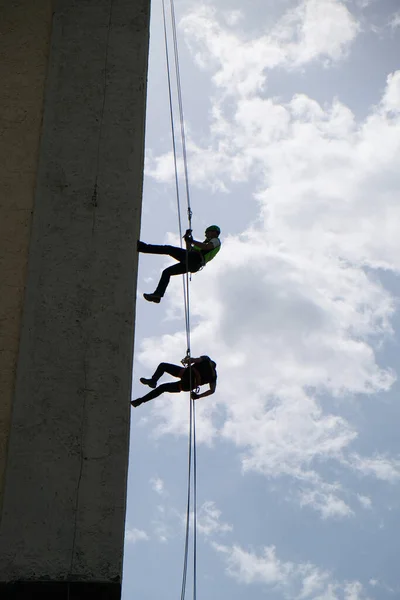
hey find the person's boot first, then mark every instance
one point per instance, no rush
(152, 298)
(136, 402)
(150, 382)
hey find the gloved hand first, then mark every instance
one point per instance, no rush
(188, 236)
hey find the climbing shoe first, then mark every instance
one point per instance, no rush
(150, 382)
(152, 298)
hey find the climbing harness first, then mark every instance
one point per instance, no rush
(186, 294)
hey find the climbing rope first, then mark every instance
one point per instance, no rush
(186, 293)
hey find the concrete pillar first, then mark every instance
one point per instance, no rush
(24, 48)
(73, 109)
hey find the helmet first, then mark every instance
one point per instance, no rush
(214, 228)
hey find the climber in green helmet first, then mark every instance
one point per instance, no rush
(196, 255)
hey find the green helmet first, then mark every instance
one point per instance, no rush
(214, 228)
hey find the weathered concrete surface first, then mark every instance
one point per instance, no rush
(64, 499)
(24, 46)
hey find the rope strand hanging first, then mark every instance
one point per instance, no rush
(186, 294)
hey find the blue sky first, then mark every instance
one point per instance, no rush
(292, 111)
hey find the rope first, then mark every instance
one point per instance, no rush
(186, 551)
(193, 405)
(171, 113)
(180, 103)
(185, 161)
(185, 284)
(186, 295)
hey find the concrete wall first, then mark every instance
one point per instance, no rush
(24, 47)
(65, 487)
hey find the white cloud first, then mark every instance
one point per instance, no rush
(395, 20)
(162, 529)
(313, 29)
(304, 581)
(382, 467)
(136, 535)
(391, 97)
(354, 591)
(162, 535)
(208, 520)
(167, 523)
(239, 63)
(364, 3)
(247, 567)
(365, 501)
(327, 503)
(292, 309)
(233, 17)
(157, 485)
(320, 28)
(381, 585)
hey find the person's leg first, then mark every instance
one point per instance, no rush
(194, 261)
(174, 251)
(172, 388)
(162, 368)
(166, 275)
(187, 383)
(174, 370)
(193, 264)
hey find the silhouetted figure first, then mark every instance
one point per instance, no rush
(196, 255)
(203, 372)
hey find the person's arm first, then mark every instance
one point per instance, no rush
(188, 239)
(209, 392)
(192, 360)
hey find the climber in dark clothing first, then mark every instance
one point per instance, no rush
(196, 255)
(203, 371)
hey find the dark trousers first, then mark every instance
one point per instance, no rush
(192, 264)
(174, 386)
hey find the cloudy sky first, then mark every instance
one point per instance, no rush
(292, 110)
